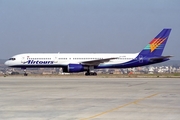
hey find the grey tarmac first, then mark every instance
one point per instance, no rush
(89, 98)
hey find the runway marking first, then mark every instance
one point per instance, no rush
(150, 106)
(114, 109)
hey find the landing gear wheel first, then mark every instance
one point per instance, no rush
(87, 74)
(90, 73)
(25, 74)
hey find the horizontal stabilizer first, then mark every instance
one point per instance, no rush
(160, 58)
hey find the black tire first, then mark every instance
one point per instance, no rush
(25, 74)
(93, 73)
(87, 74)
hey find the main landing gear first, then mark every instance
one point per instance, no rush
(91, 73)
(88, 73)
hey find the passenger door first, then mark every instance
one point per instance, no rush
(55, 59)
(23, 59)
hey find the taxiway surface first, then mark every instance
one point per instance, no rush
(36, 98)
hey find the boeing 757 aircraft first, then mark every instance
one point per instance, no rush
(80, 62)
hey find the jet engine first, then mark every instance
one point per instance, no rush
(74, 68)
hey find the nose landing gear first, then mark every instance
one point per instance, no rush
(25, 74)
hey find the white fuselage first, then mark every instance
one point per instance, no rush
(61, 59)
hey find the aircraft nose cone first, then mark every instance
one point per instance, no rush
(7, 63)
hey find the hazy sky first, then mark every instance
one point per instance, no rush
(119, 26)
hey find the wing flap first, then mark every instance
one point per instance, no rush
(97, 62)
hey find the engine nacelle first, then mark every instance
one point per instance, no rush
(74, 68)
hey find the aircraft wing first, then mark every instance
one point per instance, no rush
(97, 62)
(160, 58)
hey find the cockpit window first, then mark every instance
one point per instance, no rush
(12, 58)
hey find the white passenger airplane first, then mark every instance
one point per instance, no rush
(80, 62)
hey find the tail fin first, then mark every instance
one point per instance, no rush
(156, 46)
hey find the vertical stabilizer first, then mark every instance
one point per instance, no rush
(156, 46)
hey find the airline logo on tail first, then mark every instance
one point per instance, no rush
(155, 44)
